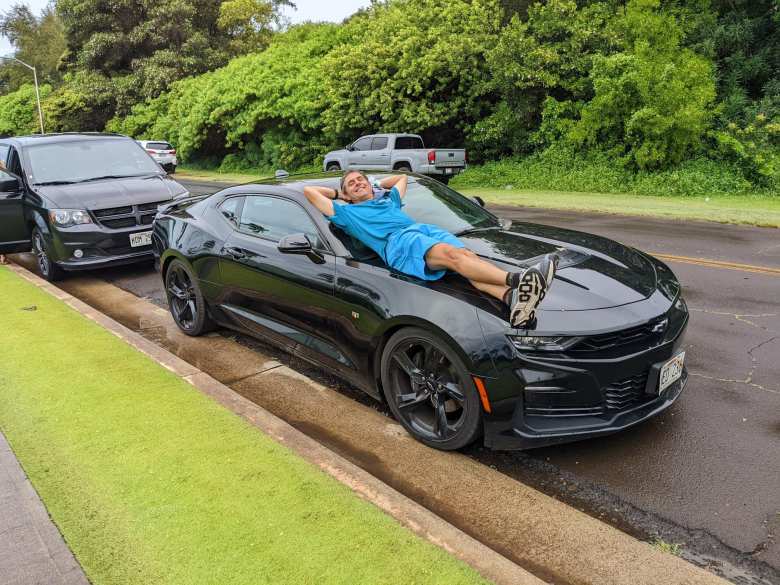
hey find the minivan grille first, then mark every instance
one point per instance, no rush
(127, 216)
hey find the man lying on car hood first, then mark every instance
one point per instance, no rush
(425, 250)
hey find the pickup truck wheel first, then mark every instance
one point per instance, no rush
(404, 168)
(333, 167)
(48, 269)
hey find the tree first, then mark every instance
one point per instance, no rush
(250, 23)
(39, 41)
(653, 100)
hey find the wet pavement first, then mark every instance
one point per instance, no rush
(705, 474)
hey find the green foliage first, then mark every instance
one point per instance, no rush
(19, 110)
(653, 99)
(563, 169)
(230, 110)
(409, 66)
(249, 22)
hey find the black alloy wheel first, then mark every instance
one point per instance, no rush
(48, 269)
(333, 167)
(429, 390)
(185, 300)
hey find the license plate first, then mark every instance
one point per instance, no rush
(671, 372)
(448, 171)
(140, 239)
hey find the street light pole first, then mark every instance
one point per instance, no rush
(37, 93)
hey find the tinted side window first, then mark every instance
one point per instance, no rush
(4, 150)
(408, 143)
(231, 209)
(272, 219)
(362, 144)
(379, 143)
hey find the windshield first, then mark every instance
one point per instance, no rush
(77, 161)
(428, 201)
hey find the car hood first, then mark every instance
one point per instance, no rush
(112, 192)
(594, 272)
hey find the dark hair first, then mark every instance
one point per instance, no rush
(348, 173)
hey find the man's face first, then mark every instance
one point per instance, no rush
(357, 188)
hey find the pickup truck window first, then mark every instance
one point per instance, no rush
(408, 143)
(379, 143)
(84, 160)
(362, 144)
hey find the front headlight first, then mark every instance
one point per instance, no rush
(69, 217)
(539, 343)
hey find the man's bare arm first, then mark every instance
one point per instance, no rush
(317, 196)
(400, 182)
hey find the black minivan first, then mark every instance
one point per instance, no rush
(80, 201)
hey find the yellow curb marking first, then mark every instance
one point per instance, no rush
(718, 264)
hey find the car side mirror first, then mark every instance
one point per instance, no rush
(479, 201)
(295, 244)
(300, 244)
(8, 183)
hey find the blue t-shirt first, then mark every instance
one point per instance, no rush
(373, 221)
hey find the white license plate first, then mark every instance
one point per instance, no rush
(671, 372)
(140, 239)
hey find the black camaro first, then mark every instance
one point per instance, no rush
(604, 353)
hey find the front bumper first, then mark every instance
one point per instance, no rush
(565, 399)
(100, 247)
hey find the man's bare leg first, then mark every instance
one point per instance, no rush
(469, 265)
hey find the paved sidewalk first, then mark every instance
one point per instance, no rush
(32, 551)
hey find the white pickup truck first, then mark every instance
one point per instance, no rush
(397, 152)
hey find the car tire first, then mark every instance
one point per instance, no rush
(172, 169)
(404, 168)
(185, 300)
(429, 390)
(46, 266)
(333, 167)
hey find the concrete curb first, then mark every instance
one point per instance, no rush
(424, 523)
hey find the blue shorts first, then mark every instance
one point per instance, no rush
(406, 249)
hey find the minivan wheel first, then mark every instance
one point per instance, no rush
(429, 390)
(48, 269)
(333, 167)
(185, 300)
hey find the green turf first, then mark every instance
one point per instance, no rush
(151, 482)
(759, 210)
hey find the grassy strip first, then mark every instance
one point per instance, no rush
(151, 482)
(758, 210)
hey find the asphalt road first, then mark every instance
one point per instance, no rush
(706, 473)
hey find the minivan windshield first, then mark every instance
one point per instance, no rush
(78, 161)
(428, 201)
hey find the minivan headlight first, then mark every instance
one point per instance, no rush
(542, 343)
(69, 217)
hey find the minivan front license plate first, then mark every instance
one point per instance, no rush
(140, 239)
(671, 372)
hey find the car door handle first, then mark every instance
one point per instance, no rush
(235, 253)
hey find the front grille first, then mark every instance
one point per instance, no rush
(627, 392)
(553, 411)
(128, 216)
(641, 335)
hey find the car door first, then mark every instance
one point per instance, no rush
(358, 155)
(378, 158)
(14, 234)
(285, 298)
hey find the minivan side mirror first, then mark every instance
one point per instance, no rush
(8, 183)
(479, 201)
